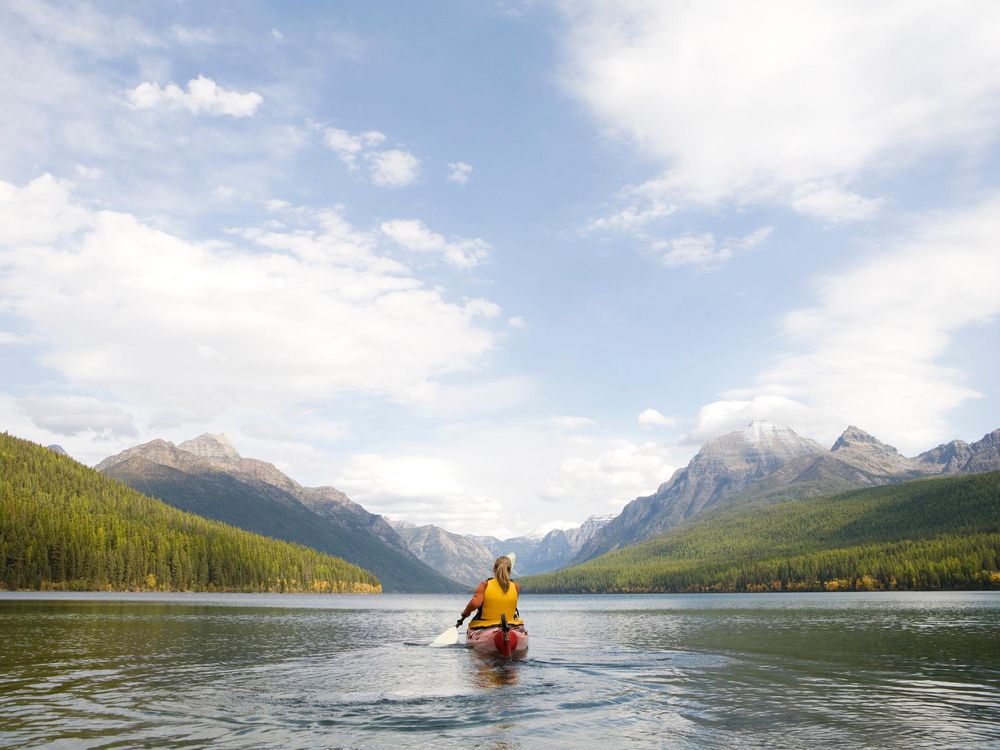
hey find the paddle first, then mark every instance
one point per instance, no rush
(447, 638)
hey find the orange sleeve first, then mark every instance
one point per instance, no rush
(476, 601)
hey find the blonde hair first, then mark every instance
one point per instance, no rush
(501, 571)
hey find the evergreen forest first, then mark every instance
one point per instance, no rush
(65, 526)
(923, 535)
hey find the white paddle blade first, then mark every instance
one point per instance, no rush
(447, 638)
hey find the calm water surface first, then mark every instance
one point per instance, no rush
(757, 671)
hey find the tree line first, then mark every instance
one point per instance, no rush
(64, 526)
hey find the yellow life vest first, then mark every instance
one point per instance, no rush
(495, 603)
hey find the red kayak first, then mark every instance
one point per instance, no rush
(512, 642)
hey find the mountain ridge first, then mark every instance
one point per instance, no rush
(210, 478)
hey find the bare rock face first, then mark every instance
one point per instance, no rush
(57, 449)
(985, 454)
(949, 458)
(857, 447)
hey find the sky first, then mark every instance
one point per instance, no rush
(497, 266)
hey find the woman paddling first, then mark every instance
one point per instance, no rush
(497, 626)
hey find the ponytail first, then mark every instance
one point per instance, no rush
(501, 571)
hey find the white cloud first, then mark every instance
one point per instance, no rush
(834, 204)
(73, 415)
(390, 168)
(203, 95)
(417, 488)
(633, 217)
(607, 481)
(505, 479)
(393, 168)
(654, 418)
(39, 213)
(732, 414)
(516, 321)
(868, 351)
(703, 250)
(414, 235)
(460, 172)
(349, 146)
(755, 103)
(311, 313)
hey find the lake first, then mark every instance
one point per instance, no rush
(887, 670)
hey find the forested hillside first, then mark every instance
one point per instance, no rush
(926, 534)
(64, 526)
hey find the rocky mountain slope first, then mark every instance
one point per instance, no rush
(208, 476)
(770, 462)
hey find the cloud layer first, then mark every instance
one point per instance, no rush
(303, 313)
(788, 102)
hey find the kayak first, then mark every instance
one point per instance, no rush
(495, 641)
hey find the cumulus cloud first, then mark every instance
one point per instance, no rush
(414, 235)
(73, 415)
(654, 418)
(506, 478)
(310, 312)
(868, 351)
(622, 471)
(203, 96)
(787, 102)
(391, 168)
(420, 488)
(703, 250)
(460, 172)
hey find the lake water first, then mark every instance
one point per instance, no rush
(888, 670)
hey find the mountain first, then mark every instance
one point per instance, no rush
(935, 533)
(208, 476)
(57, 449)
(765, 461)
(722, 468)
(65, 526)
(462, 558)
(469, 558)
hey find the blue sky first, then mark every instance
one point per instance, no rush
(497, 266)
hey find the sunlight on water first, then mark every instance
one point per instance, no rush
(847, 670)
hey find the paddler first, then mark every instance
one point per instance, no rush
(494, 597)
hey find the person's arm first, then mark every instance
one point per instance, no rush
(475, 602)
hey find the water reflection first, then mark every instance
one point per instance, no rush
(493, 672)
